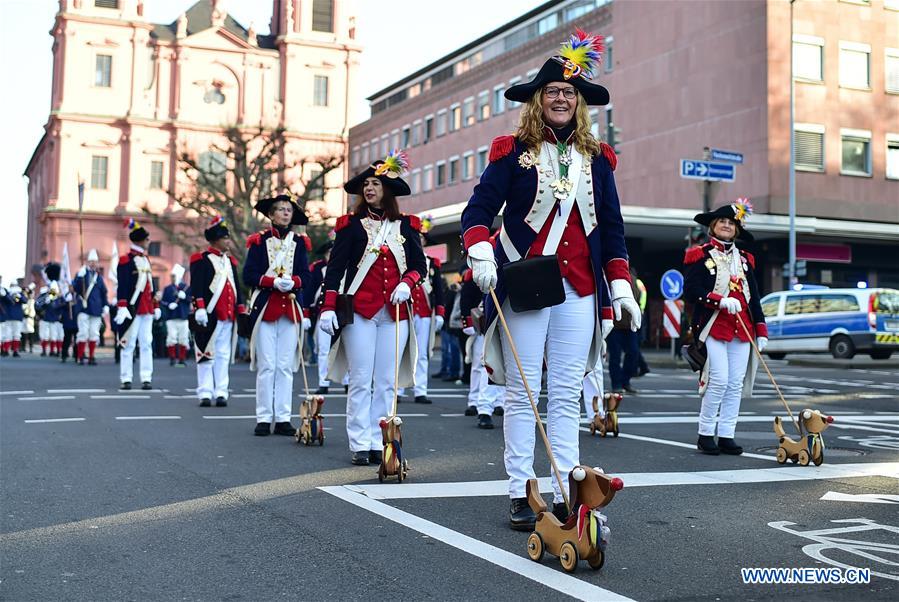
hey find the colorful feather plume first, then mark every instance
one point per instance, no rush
(581, 52)
(131, 224)
(427, 222)
(742, 209)
(216, 220)
(395, 164)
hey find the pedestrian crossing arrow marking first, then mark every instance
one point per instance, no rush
(868, 498)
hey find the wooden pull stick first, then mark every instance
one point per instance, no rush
(396, 363)
(293, 311)
(549, 451)
(765, 366)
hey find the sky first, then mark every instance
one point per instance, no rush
(396, 42)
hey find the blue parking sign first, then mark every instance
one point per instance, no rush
(672, 285)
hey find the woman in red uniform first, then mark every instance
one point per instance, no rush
(376, 261)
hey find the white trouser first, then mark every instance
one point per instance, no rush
(322, 347)
(481, 394)
(43, 330)
(12, 330)
(56, 331)
(721, 402)
(88, 328)
(276, 344)
(176, 333)
(371, 352)
(141, 329)
(423, 336)
(593, 387)
(564, 333)
(212, 375)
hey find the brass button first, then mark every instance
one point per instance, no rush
(564, 262)
(565, 244)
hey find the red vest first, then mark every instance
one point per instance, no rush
(377, 287)
(573, 252)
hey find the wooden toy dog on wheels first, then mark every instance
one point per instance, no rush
(810, 446)
(608, 422)
(312, 425)
(392, 461)
(585, 534)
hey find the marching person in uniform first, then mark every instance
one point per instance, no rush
(93, 305)
(484, 398)
(277, 269)
(70, 315)
(720, 280)
(50, 304)
(216, 295)
(313, 298)
(30, 315)
(14, 301)
(376, 262)
(136, 308)
(562, 233)
(175, 306)
(427, 317)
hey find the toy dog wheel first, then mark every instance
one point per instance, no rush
(535, 547)
(597, 560)
(819, 458)
(319, 431)
(615, 424)
(381, 474)
(803, 457)
(592, 428)
(400, 473)
(568, 557)
(781, 455)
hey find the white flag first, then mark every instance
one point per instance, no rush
(65, 275)
(114, 264)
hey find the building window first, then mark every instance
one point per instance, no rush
(891, 65)
(395, 139)
(468, 166)
(453, 170)
(315, 189)
(415, 183)
(365, 154)
(468, 111)
(406, 136)
(808, 58)
(441, 174)
(441, 123)
(416, 133)
(427, 178)
(106, 3)
(608, 63)
(103, 71)
(855, 65)
(320, 91)
(856, 145)
(212, 166)
(154, 250)
(547, 24)
(214, 95)
(455, 118)
(808, 139)
(354, 157)
(483, 105)
(499, 102)
(893, 156)
(99, 172)
(385, 147)
(511, 104)
(429, 129)
(323, 15)
(156, 175)
(482, 160)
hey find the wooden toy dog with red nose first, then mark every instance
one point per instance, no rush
(584, 535)
(608, 422)
(392, 461)
(810, 446)
(312, 425)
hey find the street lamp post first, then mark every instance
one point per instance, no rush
(792, 204)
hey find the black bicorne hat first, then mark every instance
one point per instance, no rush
(388, 171)
(299, 216)
(53, 271)
(136, 232)
(738, 211)
(574, 64)
(217, 229)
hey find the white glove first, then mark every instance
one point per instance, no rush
(606, 326)
(173, 306)
(623, 298)
(730, 304)
(3, 291)
(121, 315)
(68, 297)
(327, 321)
(182, 295)
(761, 343)
(82, 272)
(483, 265)
(201, 317)
(469, 331)
(438, 322)
(307, 323)
(400, 294)
(105, 311)
(157, 313)
(283, 284)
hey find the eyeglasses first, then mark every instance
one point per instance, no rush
(553, 92)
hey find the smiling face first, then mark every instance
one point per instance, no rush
(724, 229)
(281, 214)
(558, 108)
(373, 192)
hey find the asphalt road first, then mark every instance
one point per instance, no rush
(110, 495)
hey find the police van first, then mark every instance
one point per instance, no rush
(842, 321)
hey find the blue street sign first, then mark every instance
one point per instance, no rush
(723, 155)
(707, 170)
(672, 285)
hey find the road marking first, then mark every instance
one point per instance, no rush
(230, 417)
(120, 397)
(681, 444)
(76, 390)
(869, 498)
(544, 575)
(42, 420)
(148, 417)
(638, 479)
(179, 397)
(46, 398)
(16, 392)
(241, 395)
(669, 419)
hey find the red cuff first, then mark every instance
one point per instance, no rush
(411, 278)
(267, 282)
(761, 330)
(306, 313)
(607, 314)
(200, 303)
(330, 301)
(466, 322)
(712, 299)
(122, 303)
(618, 269)
(297, 283)
(474, 235)
(440, 311)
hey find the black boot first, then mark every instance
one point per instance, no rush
(706, 444)
(285, 428)
(375, 456)
(205, 402)
(146, 386)
(727, 445)
(521, 517)
(221, 402)
(126, 386)
(360, 458)
(498, 411)
(485, 421)
(263, 429)
(471, 411)
(422, 399)
(560, 511)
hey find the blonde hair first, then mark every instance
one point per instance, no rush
(531, 124)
